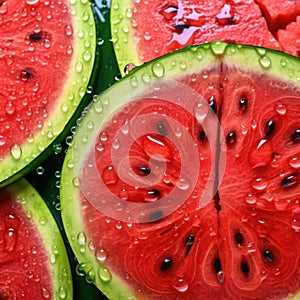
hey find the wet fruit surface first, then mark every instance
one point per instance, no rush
(233, 232)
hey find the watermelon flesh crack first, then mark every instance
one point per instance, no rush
(242, 241)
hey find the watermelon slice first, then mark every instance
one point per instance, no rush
(143, 30)
(46, 60)
(33, 259)
(182, 181)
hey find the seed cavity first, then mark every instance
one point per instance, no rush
(245, 268)
(289, 181)
(166, 264)
(243, 104)
(202, 135)
(270, 128)
(239, 238)
(231, 137)
(268, 255)
(296, 135)
(161, 129)
(213, 104)
(189, 241)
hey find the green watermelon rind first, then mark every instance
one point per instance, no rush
(74, 90)
(196, 58)
(122, 34)
(58, 263)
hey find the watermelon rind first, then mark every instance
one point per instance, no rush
(58, 263)
(71, 101)
(122, 35)
(189, 60)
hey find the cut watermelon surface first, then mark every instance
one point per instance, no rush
(33, 259)
(46, 60)
(144, 30)
(183, 179)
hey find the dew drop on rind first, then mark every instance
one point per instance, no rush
(270, 128)
(231, 138)
(128, 68)
(166, 264)
(104, 274)
(268, 255)
(158, 69)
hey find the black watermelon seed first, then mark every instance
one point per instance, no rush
(231, 137)
(145, 170)
(189, 241)
(202, 135)
(166, 264)
(268, 255)
(243, 104)
(156, 215)
(35, 36)
(270, 128)
(217, 265)
(212, 104)
(26, 74)
(239, 238)
(161, 129)
(288, 181)
(181, 27)
(296, 135)
(245, 268)
(154, 192)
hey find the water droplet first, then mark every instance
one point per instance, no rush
(295, 162)
(46, 293)
(40, 170)
(183, 184)
(101, 254)
(79, 66)
(32, 2)
(259, 184)
(158, 69)
(104, 274)
(220, 277)
(201, 110)
(16, 151)
(3, 140)
(281, 109)
(265, 62)
(250, 199)
(80, 269)
(81, 238)
(181, 285)
(87, 55)
(62, 292)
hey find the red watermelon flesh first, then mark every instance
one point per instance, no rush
(289, 38)
(279, 13)
(34, 63)
(244, 243)
(179, 23)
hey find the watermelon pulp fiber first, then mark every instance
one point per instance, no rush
(33, 260)
(244, 241)
(48, 52)
(174, 24)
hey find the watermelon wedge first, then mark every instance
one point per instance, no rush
(33, 260)
(46, 61)
(144, 30)
(182, 181)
